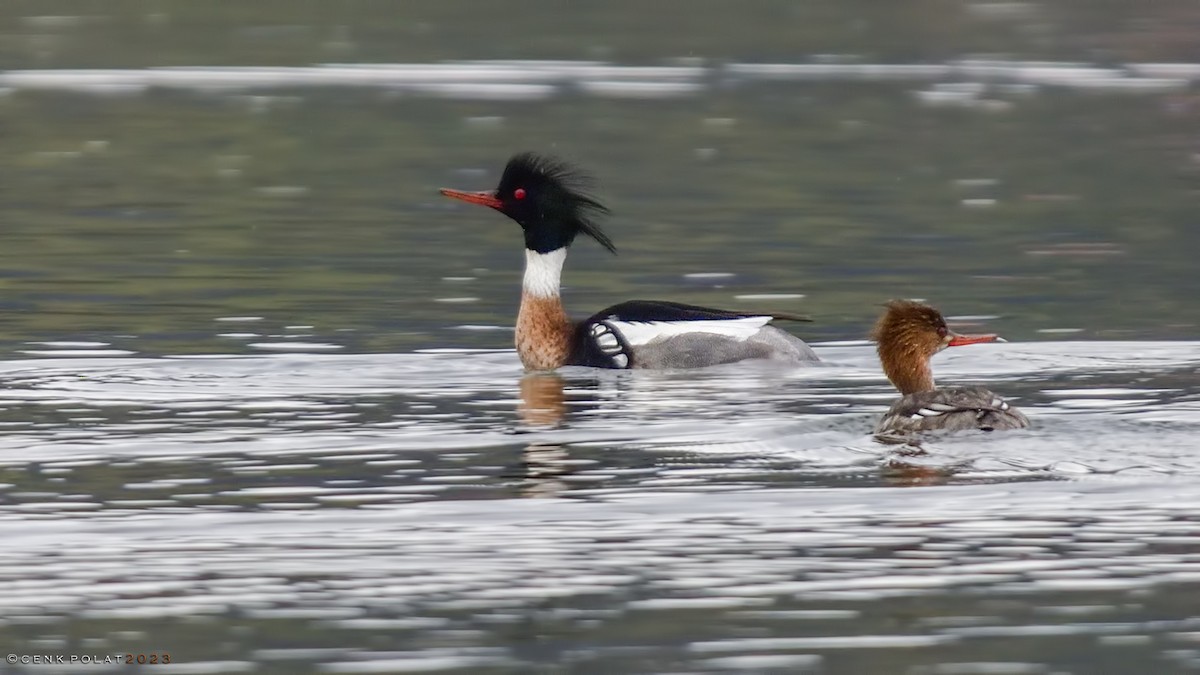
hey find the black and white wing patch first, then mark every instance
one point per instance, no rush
(607, 341)
(611, 338)
(640, 322)
(599, 345)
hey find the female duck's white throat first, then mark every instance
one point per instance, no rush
(543, 273)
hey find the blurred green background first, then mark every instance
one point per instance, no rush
(139, 218)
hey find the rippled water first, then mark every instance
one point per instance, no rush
(442, 511)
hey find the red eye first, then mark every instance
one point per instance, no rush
(519, 193)
(942, 331)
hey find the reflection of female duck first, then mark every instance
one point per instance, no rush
(908, 335)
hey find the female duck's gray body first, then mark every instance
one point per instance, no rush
(908, 335)
(951, 409)
(547, 199)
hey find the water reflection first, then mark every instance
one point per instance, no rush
(880, 580)
(543, 405)
(736, 490)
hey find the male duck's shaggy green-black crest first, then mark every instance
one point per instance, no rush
(548, 198)
(552, 201)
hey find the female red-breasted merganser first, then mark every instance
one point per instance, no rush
(908, 334)
(549, 200)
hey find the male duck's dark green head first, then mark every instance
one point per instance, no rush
(548, 198)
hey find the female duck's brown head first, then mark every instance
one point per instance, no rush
(907, 335)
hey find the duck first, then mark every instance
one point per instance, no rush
(907, 336)
(551, 201)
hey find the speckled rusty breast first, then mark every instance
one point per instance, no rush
(544, 332)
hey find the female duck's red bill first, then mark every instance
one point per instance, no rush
(957, 340)
(485, 198)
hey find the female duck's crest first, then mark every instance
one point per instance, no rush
(907, 335)
(548, 198)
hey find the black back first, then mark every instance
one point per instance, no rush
(599, 346)
(663, 310)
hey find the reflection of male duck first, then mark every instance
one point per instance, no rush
(543, 404)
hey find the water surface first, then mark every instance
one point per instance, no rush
(442, 511)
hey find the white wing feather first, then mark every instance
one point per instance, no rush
(644, 332)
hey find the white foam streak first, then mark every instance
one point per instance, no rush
(958, 81)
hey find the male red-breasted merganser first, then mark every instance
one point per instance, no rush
(908, 334)
(549, 200)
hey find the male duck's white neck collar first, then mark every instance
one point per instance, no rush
(543, 273)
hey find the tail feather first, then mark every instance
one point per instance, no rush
(788, 316)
